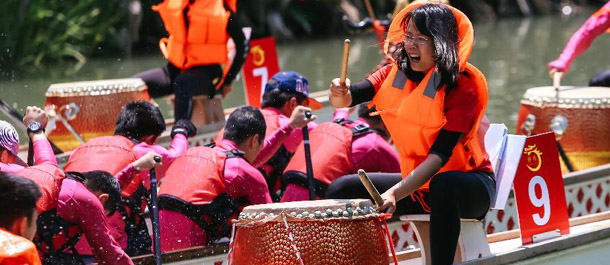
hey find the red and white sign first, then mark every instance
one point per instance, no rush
(539, 190)
(260, 65)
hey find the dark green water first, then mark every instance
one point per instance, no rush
(512, 53)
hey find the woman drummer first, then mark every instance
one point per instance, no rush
(432, 102)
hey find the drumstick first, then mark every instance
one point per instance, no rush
(366, 181)
(344, 62)
(557, 81)
(369, 8)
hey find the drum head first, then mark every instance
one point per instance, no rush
(311, 209)
(568, 96)
(98, 87)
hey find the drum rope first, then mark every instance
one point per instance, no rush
(291, 237)
(387, 230)
(230, 253)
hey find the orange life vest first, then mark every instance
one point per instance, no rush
(107, 153)
(194, 186)
(16, 250)
(414, 113)
(54, 235)
(202, 39)
(331, 154)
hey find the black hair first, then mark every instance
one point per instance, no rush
(437, 22)
(244, 122)
(365, 112)
(18, 197)
(106, 183)
(139, 119)
(277, 98)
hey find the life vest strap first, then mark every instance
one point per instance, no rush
(357, 130)
(299, 178)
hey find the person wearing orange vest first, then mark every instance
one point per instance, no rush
(433, 103)
(138, 127)
(18, 217)
(285, 99)
(204, 190)
(196, 50)
(338, 148)
(580, 41)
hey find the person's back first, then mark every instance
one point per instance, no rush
(138, 127)
(339, 148)
(204, 188)
(18, 216)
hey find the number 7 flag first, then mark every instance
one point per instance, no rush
(539, 190)
(260, 65)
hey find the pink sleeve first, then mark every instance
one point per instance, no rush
(126, 175)
(296, 137)
(10, 168)
(43, 153)
(342, 113)
(373, 154)
(244, 181)
(178, 147)
(582, 38)
(272, 143)
(76, 204)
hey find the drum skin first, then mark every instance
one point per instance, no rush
(262, 236)
(99, 102)
(587, 110)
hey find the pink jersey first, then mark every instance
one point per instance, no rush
(582, 38)
(241, 180)
(369, 152)
(78, 205)
(178, 146)
(43, 155)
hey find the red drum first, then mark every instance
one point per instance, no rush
(88, 109)
(310, 232)
(580, 117)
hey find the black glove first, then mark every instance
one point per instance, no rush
(184, 126)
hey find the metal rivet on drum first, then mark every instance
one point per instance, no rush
(293, 214)
(339, 212)
(311, 215)
(335, 214)
(299, 216)
(329, 212)
(324, 215)
(346, 214)
(305, 213)
(350, 210)
(318, 214)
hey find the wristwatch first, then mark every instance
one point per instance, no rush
(34, 127)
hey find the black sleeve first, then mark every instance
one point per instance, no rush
(241, 46)
(362, 92)
(444, 144)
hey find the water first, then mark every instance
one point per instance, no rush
(512, 53)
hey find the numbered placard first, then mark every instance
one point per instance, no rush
(260, 65)
(539, 190)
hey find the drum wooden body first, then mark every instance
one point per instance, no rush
(324, 232)
(587, 111)
(98, 102)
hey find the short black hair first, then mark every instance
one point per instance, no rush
(277, 98)
(364, 112)
(18, 197)
(439, 23)
(138, 119)
(244, 122)
(104, 182)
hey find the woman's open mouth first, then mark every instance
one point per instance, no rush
(414, 58)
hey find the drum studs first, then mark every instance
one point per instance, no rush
(324, 215)
(305, 213)
(318, 214)
(299, 216)
(311, 215)
(293, 214)
(346, 214)
(329, 212)
(529, 124)
(335, 214)
(559, 124)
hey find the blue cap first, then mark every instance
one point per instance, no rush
(291, 81)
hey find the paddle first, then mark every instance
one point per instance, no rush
(312, 193)
(155, 212)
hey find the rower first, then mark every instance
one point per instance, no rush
(18, 198)
(339, 148)
(138, 127)
(283, 94)
(204, 189)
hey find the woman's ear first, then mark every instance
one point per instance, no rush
(103, 197)
(293, 103)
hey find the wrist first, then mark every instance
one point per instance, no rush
(179, 130)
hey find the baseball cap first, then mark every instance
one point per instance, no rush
(291, 81)
(9, 139)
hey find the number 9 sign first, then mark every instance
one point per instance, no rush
(539, 189)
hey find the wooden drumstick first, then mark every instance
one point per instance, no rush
(366, 181)
(369, 8)
(557, 80)
(344, 62)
